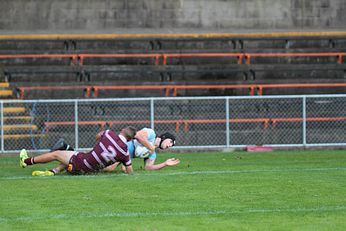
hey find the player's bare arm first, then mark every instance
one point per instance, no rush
(111, 168)
(142, 137)
(150, 164)
(98, 135)
(129, 169)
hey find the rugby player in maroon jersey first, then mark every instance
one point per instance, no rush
(110, 148)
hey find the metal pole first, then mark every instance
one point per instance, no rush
(304, 121)
(76, 123)
(227, 123)
(2, 126)
(152, 124)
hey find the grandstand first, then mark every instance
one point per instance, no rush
(58, 62)
(89, 66)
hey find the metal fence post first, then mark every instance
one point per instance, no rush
(227, 123)
(76, 123)
(2, 125)
(152, 122)
(304, 121)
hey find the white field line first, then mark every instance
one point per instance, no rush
(156, 174)
(173, 214)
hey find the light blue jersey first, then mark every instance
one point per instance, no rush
(134, 143)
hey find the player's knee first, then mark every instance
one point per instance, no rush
(56, 154)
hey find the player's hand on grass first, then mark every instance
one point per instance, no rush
(172, 162)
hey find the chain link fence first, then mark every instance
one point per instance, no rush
(197, 122)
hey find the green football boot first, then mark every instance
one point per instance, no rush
(42, 173)
(22, 156)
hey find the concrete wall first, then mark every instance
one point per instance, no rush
(210, 15)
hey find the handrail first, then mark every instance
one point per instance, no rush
(186, 122)
(260, 87)
(79, 58)
(145, 87)
(253, 88)
(240, 56)
(73, 57)
(83, 56)
(339, 55)
(23, 89)
(177, 123)
(175, 88)
(274, 121)
(248, 56)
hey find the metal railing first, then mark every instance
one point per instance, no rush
(167, 90)
(162, 59)
(197, 122)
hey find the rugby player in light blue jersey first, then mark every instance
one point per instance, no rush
(148, 138)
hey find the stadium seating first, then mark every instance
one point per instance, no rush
(18, 126)
(84, 91)
(172, 90)
(79, 66)
(79, 59)
(39, 61)
(4, 91)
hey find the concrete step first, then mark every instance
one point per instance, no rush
(4, 84)
(22, 136)
(14, 109)
(19, 127)
(6, 93)
(18, 118)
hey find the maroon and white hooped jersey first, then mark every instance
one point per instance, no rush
(110, 149)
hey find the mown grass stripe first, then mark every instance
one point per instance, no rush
(179, 173)
(176, 214)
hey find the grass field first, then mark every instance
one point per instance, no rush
(282, 190)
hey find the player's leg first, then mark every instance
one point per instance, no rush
(62, 156)
(61, 145)
(111, 167)
(59, 168)
(50, 172)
